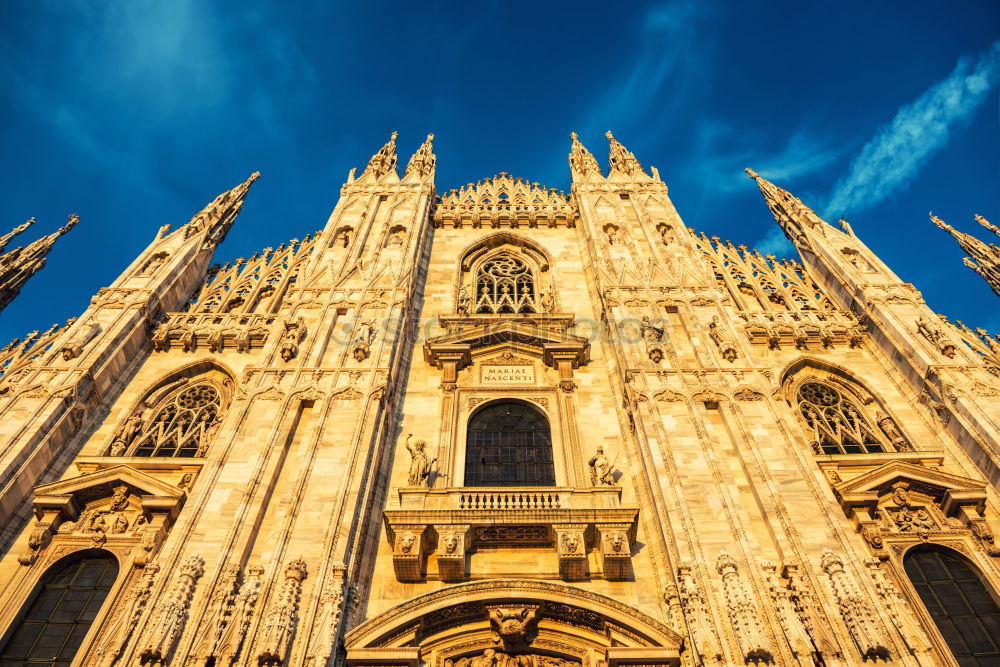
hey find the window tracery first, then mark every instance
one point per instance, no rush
(182, 425)
(505, 284)
(837, 424)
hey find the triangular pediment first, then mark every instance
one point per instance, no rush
(95, 483)
(946, 487)
(492, 333)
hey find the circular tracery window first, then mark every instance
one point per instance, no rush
(837, 424)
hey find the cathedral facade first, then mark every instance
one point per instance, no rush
(502, 426)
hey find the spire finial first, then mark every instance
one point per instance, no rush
(6, 238)
(421, 164)
(978, 218)
(789, 212)
(581, 162)
(384, 160)
(620, 159)
(219, 215)
(752, 173)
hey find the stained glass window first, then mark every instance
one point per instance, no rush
(509, 444)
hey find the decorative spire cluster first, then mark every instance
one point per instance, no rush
(789, 212)
(984, 257)
(421, 164)
(581, 162)
(21, 263)
(219, 215)
(384, 161)
(621, 159)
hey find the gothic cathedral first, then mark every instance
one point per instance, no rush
(502, 426)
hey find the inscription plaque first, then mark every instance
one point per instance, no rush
(507, 374)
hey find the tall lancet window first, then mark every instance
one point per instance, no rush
(182, 424)
(505, 284)
(509, 444)
(836, 423)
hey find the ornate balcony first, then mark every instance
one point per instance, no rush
(453, 522)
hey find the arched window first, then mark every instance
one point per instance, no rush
(182, 425)
(508, 444)
(505, 284)
(55, 622)
(837, 424)
(961, 605)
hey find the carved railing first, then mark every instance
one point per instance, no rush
(214, 331)
(803, 329)
(486, 500)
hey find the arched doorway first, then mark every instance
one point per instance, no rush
(508, 443)
(52, 627)
(959, 601)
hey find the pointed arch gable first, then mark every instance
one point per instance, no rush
(474, 250)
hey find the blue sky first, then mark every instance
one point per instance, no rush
(136, 113)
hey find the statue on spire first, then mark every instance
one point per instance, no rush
(984, 257)
(219, 215)
(421, 164)
(581, 161)
(6, 238)
(18, 265)
(621, 159)
(384, 161)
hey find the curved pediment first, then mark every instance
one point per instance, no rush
(459, 615)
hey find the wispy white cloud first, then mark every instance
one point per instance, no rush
(888, 162)
(803, 153)
(775, 243)
(666, 41)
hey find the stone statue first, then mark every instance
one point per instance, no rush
(464, 301)
(650, 332)
(548, 302)
(600, 469)
(889, 428)
(129, 430)
(420, 467)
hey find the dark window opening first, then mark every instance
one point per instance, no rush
(509, 444)
(961, 605)
(60, 615)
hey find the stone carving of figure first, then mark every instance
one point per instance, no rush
(464, 301)
(612, 234)
(548, 303)
(650, 332)
(120, 525)
(129, 430)
(396, 238)
(600, 469)
(84, 333)
(420, 467)
(154, 264)
(666, 234)
(888, 426)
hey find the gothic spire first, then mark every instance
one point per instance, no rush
(6, 238)
(984, 257)
(421, 164)
(384, 161)
(789, 212)
(219, 215)
(581, 162)
(621, 159)
(21, 263)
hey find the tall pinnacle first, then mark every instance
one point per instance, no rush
(219, 215)
(384, 161)
(789, 212)
(581, 161)
(6, 238)
(620, 159)
(421, 164)
(21, 263)
(984, 257)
